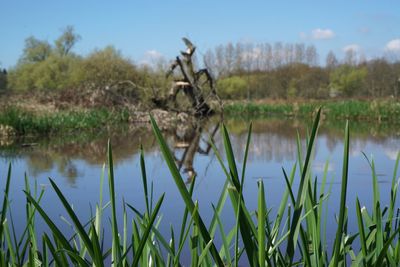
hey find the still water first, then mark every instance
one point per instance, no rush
(75, 163)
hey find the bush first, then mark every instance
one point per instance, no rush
(3, 79)
(104, 68)
(348, 80)
(232, 88)
(53, 73)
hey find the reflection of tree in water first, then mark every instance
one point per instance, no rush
(272, 139)
(275, 138)
(189, 140)
(63, 155)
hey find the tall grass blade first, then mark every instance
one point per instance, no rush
(340, 229)
(383, 251)
(138, 251)
(393, 197)
(182, 189)
(58, 235)
(224, 238)
(361, 230)
(116, 248)
(261, 223)
(5, 202)
(78, 226)
(185, 214)
(243, 220)
(295, 223)
(144, 179)
(203, 254)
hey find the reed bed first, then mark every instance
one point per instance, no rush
(368, 110)
(28, 123)
(294, 236)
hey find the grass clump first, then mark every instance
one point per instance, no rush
(376, 110)
(28, 123)
(294, 234)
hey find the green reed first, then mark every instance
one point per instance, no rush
(368, 110)
(28, 123)
(292, 235)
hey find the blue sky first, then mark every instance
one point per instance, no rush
(142, 29)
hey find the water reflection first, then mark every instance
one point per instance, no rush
(190, 140)
(272, 140)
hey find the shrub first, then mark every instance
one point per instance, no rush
(232, 88)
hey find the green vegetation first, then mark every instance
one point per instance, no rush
(287, 71)
(347, 80)
(28, 123)
(378, 110)
(294, 234)
(232, 88)
(243, 71)
(3, 80)
(52, 68)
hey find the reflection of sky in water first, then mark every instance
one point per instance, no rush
(77, 170)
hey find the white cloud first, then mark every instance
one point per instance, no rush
(322, 34)
(252, 55)
(391, 153)
(352, 47)
(393, 46)
(152, 58)
(153, 54)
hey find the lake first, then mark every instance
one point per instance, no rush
(75, 163)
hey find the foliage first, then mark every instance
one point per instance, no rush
(243, 71)
(104, 68)
(378, 110)
(3, 79)
(46, 67)
(293, 234)
(66, 41)
(232, 88)
(348, 80)
(35, 50)
(25, 122)
(54, 73)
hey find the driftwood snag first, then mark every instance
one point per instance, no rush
(197, 85)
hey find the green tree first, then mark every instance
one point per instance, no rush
(348, 80)
(66, 41)
(54, 73)
(35, 50)
(232, 88)
(104, 68)
(3, 79)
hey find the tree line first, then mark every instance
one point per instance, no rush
(252, 71)
(51, 67)
(242, 71)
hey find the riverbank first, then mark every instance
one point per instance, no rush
(359, 110)
(66, 113)
(33, 116)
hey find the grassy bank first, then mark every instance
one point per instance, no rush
(292, 234)
(29, 123)
(369, 110)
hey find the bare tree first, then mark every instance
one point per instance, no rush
(331, 61)
(311, 55)
(191, 81)
(350, 57)
(299, 53)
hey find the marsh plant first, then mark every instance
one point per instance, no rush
(293, 234)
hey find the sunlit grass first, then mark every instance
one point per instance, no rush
(294, 234)
(28, 123)
(368, 110)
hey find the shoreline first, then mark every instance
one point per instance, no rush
(377, 110)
